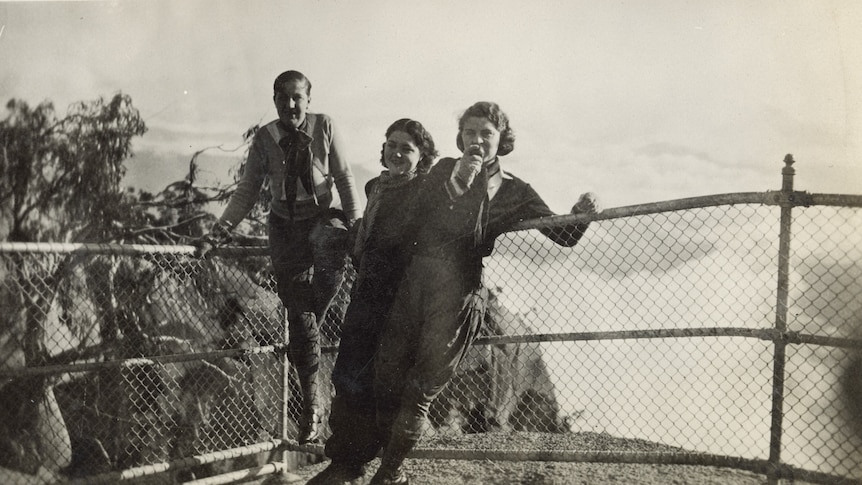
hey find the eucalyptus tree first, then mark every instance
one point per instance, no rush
(60, 176)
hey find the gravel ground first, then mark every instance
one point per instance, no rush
(451, 472)
(475, 472)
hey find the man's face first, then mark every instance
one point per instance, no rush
(291, 103)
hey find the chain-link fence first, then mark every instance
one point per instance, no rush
(722, 330)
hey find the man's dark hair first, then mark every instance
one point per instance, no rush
(288, 76)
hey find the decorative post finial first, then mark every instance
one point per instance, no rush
(787, 173)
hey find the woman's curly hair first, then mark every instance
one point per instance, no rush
(421, 138)
(492, 112)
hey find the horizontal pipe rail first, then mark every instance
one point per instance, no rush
(836, 200)
(125, 249)
(762, 334)
(634, 457)
(148, 470)
(256, 246)
(660, 458)
(568, 456)
(247, 474)
(137, 361)
(837, 342)
(762, 198)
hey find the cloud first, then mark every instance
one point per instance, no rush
(703, 268)
(152, 170)
(634, 104)
(618, 248)
(656, 150)
(189, 138)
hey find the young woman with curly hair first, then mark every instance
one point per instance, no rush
(380, 256)
(465, 203)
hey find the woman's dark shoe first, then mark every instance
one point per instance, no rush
(339, 474)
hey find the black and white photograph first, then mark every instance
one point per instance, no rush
(431, 243)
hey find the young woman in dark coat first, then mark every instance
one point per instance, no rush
(465, 203)
(380, 256)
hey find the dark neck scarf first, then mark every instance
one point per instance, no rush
(385, 182)
(296, 145)
(481, 184)
(493, 167)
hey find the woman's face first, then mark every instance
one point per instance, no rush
(400, 153)
(480, 132)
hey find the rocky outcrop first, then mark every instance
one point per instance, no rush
(500, 387)
(129, 308)
(34, 432)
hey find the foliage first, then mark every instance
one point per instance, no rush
(180, 213)
(60, 180)
(261, 208)
(60, 177)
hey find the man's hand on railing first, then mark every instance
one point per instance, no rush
(588, 203)
(218, 236)
(202, 247)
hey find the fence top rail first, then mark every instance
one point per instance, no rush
(257, 245)
(122, 249)
(762, 198)
(842, 200)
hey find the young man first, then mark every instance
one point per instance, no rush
(301, 155)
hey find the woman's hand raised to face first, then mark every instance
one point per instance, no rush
(470, 164)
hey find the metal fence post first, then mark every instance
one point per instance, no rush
(773, 474)
(285, 392)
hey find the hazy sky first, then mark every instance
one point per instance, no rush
(638, 101)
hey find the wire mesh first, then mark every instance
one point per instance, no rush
(654, 333)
